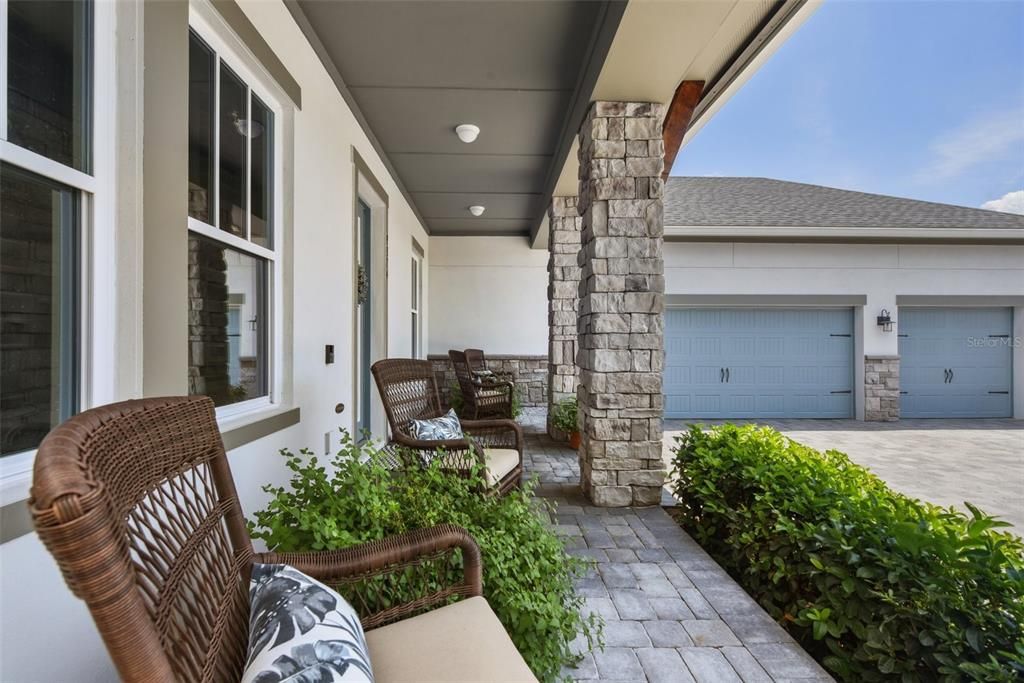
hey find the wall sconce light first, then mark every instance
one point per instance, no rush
(885, 321)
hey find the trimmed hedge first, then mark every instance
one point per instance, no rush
(876, 585)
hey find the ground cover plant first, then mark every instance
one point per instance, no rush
(527, 573)
(876, 585)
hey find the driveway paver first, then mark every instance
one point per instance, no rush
(945, 462)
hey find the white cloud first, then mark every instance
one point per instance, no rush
(1011, 202)
(985, 138)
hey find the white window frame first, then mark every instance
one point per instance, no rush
(96, 193)
(416, 307)
(227, 48)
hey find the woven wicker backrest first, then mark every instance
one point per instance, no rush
(135, 501)
(476, 360)
(408, 389)
(464, 375)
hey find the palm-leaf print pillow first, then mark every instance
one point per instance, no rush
(302, 631)
(442, 428)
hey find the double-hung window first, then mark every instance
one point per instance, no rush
(232, 219)
(417, 301)
(46, 189)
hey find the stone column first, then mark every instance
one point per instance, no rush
(881, 388)
(622, 285)
(563, 298)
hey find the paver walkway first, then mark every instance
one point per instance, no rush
(671, 613)
(942, 461)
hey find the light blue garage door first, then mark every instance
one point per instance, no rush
(758, 363)
(956, 362)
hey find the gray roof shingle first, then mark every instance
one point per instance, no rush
(754, 202)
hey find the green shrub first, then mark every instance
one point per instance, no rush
(527, 574)
(877, 585)
(455, 401)
(564, 417)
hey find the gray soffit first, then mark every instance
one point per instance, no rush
(763, 202)
(411, 71)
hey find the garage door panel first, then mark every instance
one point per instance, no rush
(949, 366)
(781, 362)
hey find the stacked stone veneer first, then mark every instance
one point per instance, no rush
(881, 388)
(530, 374)
(622, 285)
(208, 321)
(563, 301)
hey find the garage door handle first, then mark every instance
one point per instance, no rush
(727, 375)
(844, 391)
(999, 392)
(721, 375)
(952, 375)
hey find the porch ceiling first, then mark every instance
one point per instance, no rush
(521, 70)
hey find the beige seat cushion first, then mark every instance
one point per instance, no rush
(460, 642)
(500, 461)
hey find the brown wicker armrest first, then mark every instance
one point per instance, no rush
(392, 555)
(495, 434)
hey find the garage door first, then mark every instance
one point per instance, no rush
(758, 363)
(955, 362)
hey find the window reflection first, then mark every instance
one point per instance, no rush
(38, 231)
(200, 128)
(234, 116)
(48, 70)
(227, 322)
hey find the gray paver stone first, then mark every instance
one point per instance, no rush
(663, 665)
(667, 634)
(618, 663)
(709, 665)
(625, 634)
(631, 604)
(710, 632)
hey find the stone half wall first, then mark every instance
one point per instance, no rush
(529, 372)
(881, 388)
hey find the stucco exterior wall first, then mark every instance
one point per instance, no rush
(488, 293)
(37, 608)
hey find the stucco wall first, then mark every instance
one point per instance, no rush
(488, 293)
(36, 608)
(880, 272)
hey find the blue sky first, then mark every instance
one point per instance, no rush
(913, 98)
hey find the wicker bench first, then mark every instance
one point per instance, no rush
(137, 504)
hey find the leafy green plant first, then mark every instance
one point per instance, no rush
(877, 585)
(517, 402)
(455, 401)
(528, 575)
(564, 418)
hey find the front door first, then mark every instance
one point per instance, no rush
(364, 317)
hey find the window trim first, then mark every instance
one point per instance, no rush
(229, 51)
(416, 305)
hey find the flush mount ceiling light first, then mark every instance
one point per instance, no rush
(247, 128)
(467, 132)
(476, 210)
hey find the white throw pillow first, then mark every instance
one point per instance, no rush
(301, 630)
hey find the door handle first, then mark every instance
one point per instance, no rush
(721, 375)
(945, 375)
(727, 375)
(952, 375)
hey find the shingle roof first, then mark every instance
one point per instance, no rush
(753, 202)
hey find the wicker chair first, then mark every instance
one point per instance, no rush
(136, 502)
(409, 391)
(478, 362)
(481, 399)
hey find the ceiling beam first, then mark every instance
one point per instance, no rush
(677, 120)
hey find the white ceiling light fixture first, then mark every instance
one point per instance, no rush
(476, 210)
(467, 132)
